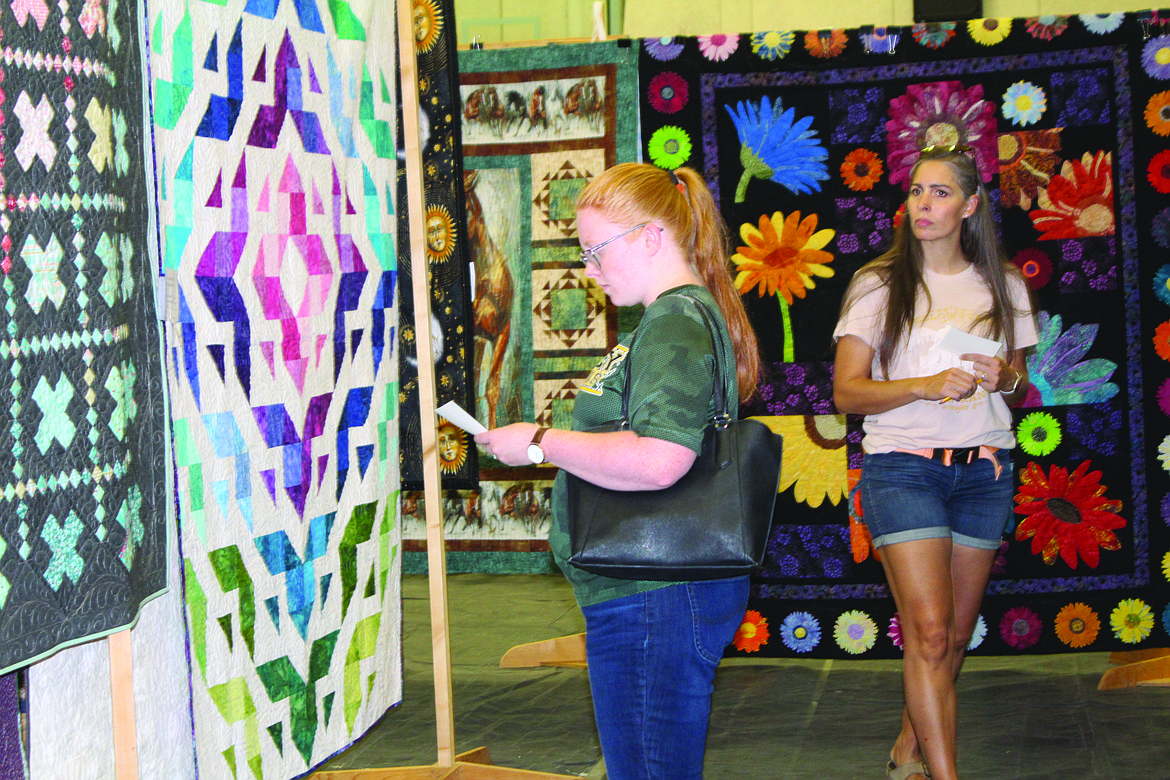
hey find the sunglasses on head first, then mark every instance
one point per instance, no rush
(945, 148)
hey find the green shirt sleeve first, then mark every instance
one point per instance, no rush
(672, 382)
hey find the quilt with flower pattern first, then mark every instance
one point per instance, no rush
(807, 138)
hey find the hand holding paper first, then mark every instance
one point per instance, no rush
(960, 342)
(455, 414)
(966, 345)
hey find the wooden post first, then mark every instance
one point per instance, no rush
(122, 698)
(420, 277)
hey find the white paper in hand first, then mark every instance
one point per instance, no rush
(454, 413)
(960, 342)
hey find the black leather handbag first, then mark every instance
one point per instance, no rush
(712, 523)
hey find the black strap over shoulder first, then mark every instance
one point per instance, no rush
(722, 412)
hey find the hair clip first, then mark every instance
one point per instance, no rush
(677, 183)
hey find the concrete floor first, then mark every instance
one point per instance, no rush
(1030, 718)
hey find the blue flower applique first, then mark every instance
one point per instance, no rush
(800, 632)
(1162, 284)
(662, 49)
(1024, 103)
(1056, 371)
(774, 146)
(1100, 24)
(1156, 57)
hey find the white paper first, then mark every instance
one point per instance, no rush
(454, 413)
(960, 342)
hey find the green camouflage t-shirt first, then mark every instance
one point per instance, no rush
(671, 398)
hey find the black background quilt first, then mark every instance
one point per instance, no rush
(83, 504)
(1068, 118)
(446, 247)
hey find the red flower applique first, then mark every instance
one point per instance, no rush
(1020, 627)
(1036, 266)
(668, 92)
(1158, 172)
(1162, 340)
(752, 633)
(1067, 514)
(1078, 202)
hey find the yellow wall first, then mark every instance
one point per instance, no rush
(644, 18)
(538, 20)
(524, 20)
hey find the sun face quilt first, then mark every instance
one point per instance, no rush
(446, 248)
(82, 445)
(807, 139)
(274, 127)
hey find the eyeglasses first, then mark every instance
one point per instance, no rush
(945, 148)
(592, 255)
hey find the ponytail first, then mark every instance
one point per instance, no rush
(709, 256)
(680, 202)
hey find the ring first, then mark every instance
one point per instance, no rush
(982, 376)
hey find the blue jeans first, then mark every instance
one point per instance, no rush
(652, 659)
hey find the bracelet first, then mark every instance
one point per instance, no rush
(1016, 384)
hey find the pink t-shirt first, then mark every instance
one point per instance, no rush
(956, 300)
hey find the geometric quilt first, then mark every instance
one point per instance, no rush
(274, 128)
(83, 498)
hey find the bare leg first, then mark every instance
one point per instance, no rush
(970, 571)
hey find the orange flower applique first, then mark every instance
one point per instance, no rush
(1158, 113)
(1162, 340)
(825, 43)
(1077, 625)
(1079, 201)
(1067, 514)
(752, 633)
(861, 170)
(783, 262)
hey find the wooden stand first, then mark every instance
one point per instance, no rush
(566, 651)
(1137, 667)
(476, 764)
(472, 765)
(122, 700)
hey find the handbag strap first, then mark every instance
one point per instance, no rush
(722, 413)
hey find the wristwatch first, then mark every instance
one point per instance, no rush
(535, 451)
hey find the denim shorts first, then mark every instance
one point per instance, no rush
(905, 497)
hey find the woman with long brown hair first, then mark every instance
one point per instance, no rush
(650, 237)
(936, 481)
